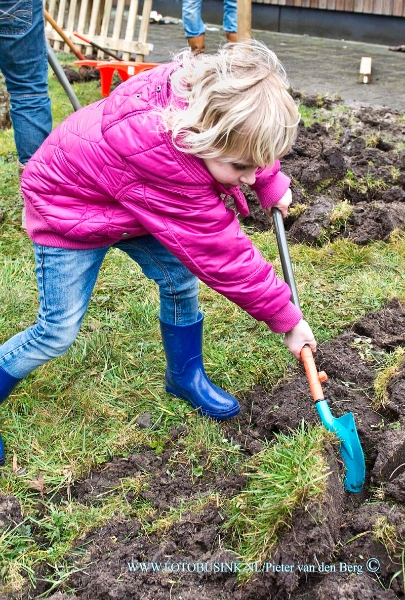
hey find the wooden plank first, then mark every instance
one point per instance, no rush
(51, 7)
(365, 70)
(105, 23)
(119, 17)
(81, 24)
(397, 8)
(377, 7)
(244, 8)
(387, 7)
(131, 25)
(117, 45)
(143, 30)
(70, 22)
(368, 6)
(106, 18)
(60, 19)
(94, 19)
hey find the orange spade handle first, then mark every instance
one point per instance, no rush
(314, 378)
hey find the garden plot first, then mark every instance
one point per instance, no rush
(348, 175)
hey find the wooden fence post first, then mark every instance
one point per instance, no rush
(244, 20)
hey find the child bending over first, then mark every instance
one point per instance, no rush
(146, 170)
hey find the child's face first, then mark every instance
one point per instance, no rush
(231, 174)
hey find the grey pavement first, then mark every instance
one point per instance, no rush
(314, 65)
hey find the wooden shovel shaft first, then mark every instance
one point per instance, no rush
(63, 35)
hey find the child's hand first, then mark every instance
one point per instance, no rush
(298, 336)
(282, 204)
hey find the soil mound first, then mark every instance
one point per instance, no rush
(354, 160)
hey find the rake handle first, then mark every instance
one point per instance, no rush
(314, 378)
(63, 35)
(96, 46)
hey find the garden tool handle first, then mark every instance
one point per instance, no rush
(96, 46)
(63, 35)
(314, 378)
(285, 255)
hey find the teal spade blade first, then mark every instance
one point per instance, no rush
(351, 451)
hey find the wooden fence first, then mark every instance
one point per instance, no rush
(111, 25)
(393, 8)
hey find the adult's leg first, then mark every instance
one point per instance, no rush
(181, 326)
(230, 22)
(24, 64)
(193, 25)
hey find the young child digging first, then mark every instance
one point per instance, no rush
(146, 170)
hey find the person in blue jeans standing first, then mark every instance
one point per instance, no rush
(24, 64)
(194, 27)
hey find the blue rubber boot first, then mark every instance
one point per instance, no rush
(185, 376)
(7, 384)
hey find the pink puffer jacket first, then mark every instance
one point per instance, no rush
(109, 172)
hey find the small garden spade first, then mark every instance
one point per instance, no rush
(344, 427)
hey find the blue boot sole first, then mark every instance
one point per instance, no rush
(205, 413)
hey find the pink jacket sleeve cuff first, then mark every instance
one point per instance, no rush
(271, 185)
(285, 319)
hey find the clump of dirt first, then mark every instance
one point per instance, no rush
(5, 119)
(170, 483)
(82, 73)
(356, 158)
(10, 512)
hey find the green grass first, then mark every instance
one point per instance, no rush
(288, 474)
(80, 409)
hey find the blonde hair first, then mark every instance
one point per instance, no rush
(233, 105)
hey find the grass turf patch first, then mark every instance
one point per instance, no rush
(289, 472)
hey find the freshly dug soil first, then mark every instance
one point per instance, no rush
(349, 546)
(338, 544)
(350, 159)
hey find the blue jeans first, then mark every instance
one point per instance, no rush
(66, 279)
(193, 24)
(24, 64)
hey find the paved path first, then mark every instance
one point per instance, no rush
(313, 65)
